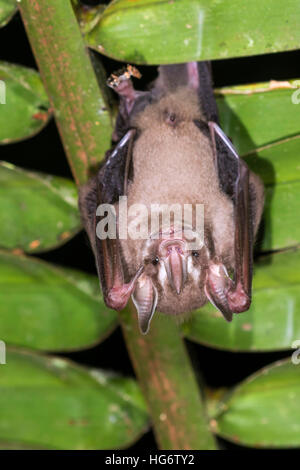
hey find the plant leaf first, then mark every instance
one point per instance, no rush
(273, 321)
(37, 211)
(53, 403)
(26, 108)
(261, 119)
(259, 114)
(7, 10)
(263, 411)
(164, 31)
(278, 167)
(87, 15)
(281, 214)
(53, 308)
(278, 162)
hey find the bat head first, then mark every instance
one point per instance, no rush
(173, 275)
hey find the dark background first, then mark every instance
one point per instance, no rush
(44, 152)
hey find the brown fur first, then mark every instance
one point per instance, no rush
(164, 135)
(173, 163)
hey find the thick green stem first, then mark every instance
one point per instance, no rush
(167, 379)
(161, 362)
(64, 63)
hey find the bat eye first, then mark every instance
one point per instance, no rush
(170, 118)
(155, 261)
(195, 254)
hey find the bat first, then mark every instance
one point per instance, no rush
(170, 151)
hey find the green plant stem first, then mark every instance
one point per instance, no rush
(64, 63)
(162, 365)
(167, 379)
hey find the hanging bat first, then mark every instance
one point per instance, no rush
(169, 149)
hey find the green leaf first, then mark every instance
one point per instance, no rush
(281, 215)
(278, 167)
(262, 120)
(37, 211)
(278, 162)
(273, 321)
(26, 108)
(168, 31)
(258, 114)
(264, 410)
(53, 403)
(13, 445)
(7, 10)
(87, 15)
(50, 308)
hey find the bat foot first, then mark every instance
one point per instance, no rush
(121, 83)
(118, 297)
(123, 75)
(223, 294)
(238, 300)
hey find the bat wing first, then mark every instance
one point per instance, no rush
(234, 181)
(229, 296)
(102, 193)
(98, 198)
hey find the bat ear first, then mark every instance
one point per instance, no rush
(145, 298)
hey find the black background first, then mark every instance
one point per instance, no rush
(44, 152)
